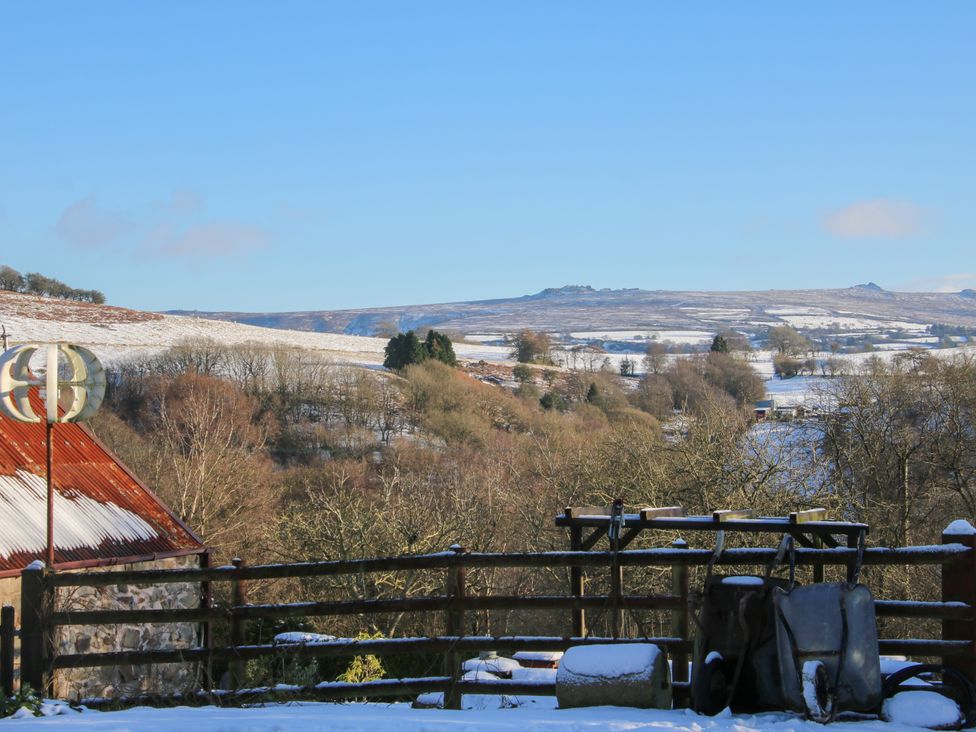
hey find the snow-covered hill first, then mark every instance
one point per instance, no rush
(115, 333)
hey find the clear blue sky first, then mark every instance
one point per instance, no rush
(291, 155)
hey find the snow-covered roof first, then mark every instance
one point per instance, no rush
(103, 514)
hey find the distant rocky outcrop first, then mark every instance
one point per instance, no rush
(560, 291)
(968, 294)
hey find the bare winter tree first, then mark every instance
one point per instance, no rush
(208, 464)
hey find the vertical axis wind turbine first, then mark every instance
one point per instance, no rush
(74, 398)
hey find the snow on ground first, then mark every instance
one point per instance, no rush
(354, 717)
(850, 323)
(115, 334)
(810, 390)
(800, 390)
(692, 337)
(795, 310)
(484, 337)
(921, 708)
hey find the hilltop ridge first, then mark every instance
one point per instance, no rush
(581, 307)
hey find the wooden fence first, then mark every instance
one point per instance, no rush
(957, 645)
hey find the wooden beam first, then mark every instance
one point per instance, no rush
(805, 540)
(328, 691)
(810, 514)
(666, 512)
(7, 650)
(731, 515)
(341, 649)
(443, 560)
(629, 536)
(959, 586)
(577, 581)
(816, 541)
(577, 511)
(454, 626)
(591, 541)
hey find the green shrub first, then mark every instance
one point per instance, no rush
(25, 698)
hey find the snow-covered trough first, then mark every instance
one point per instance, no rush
(631, 675)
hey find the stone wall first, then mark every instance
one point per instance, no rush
(129, 679)
(126, 680)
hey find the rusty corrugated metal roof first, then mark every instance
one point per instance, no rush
(103, 513)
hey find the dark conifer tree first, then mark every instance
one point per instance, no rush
(439, 347)
(403, 350)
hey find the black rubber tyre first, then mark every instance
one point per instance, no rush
(710, 693)
(816, 692)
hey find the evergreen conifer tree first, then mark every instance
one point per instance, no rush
(403, 350)
(439, 347)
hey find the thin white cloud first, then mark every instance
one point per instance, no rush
(84, 224)
(206, 240)
(181, 202)
(946, 283)
(880, 218)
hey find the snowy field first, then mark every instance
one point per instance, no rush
(810, 390)
(688, 337)
(851, 323)
(306, 717)
(114, 334)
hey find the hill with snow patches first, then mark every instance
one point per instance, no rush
(582, 308)
(115, 333)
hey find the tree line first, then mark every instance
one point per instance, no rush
(34, 283)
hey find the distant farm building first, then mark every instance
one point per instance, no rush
(772, 409)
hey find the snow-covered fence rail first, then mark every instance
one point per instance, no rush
(334, 691)
(957, 644)
(933, 554)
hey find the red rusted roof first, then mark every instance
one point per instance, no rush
(103, 513)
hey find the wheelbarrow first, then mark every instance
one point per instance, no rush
(734, 660)
(766, 644)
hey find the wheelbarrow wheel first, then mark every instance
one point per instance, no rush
(711, 692)
(817, 699)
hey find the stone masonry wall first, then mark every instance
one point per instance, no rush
(114, 681)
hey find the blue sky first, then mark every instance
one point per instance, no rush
(290, 156)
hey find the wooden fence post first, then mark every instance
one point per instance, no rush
(679, 617)
(206, 629)
(454, 627)
(7, 650)
(616, 600)
(576, 579)
(238, 597)
(959, 585)
(34, 633)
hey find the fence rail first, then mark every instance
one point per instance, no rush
(957, 609)
(348, 647)
(915, 555)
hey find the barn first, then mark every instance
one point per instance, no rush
(104, 517)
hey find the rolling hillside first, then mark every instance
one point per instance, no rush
(581, 308)
(115, 333)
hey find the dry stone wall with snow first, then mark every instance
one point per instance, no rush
(114, 681)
